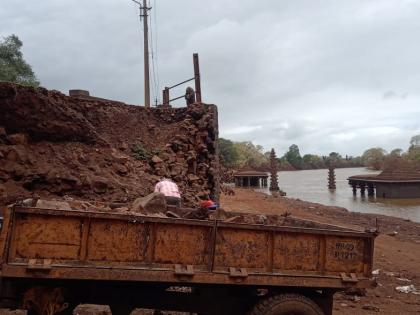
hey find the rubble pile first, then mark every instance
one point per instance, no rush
(52, 145)
(154, 205)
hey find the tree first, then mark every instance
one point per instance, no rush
(396, 152)
(13, 68)
(312, 161)
(413, 153)
(415, 141)
(334, 159)
(250, 155)
(374, 158)
(293, 156)
(229, 155)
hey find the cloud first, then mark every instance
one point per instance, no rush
(328, 76)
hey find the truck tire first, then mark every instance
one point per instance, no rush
(286, 304)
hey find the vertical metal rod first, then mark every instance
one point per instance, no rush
(166, 96)
(146, 56)
(197, 78)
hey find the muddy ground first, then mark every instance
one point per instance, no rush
(397, 250)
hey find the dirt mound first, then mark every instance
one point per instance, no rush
(55, 145)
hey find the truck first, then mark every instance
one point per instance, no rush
(53, 259)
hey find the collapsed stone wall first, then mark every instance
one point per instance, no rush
(52, 145)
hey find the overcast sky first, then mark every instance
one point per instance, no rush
(326, 75)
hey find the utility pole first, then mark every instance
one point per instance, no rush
(144, 15)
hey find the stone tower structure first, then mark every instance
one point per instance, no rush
(274, 184)
(331, 176)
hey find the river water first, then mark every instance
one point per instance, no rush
(311, 185)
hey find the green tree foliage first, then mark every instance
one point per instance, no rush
(374, 158)
(293, 156)
(13, 68)
(396, 152)
(413, 153)
(241, 154)
(415, 141)
(229, 155)
(284, 164)
(312, 161)
(250, 155)
(334, 159)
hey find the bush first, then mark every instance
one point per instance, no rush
(141, 153)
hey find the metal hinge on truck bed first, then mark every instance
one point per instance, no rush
(351, 279)
(238, 274)
(184, 272)
(39, 265)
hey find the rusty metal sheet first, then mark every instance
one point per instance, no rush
(241, 248)
(121, 274)
(118, 247)
(319, 228)
(344, 254)
(116, 241)
(182, 244)
(296, 252)
(125, 216)
(4, 233)
(39, 236)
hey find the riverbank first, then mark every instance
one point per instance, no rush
(397, 249)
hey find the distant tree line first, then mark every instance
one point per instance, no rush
(378, 158)
(245, 154)
(239, 155)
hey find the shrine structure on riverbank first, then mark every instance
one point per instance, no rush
(251, 178)
(402, 180)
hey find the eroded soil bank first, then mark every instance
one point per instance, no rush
(53, 145)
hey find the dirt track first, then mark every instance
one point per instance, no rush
(397, 257)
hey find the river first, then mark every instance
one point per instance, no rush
(311, 185)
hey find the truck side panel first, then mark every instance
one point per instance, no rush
(45, 237)
(266, 251)
(69, 239)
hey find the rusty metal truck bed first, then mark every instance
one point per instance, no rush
(82, 245)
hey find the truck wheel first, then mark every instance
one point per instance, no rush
(286, 304)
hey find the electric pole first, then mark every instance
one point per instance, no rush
(144, 15)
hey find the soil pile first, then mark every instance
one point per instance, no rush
(52, 145)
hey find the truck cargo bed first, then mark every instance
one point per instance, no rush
(92, 245)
